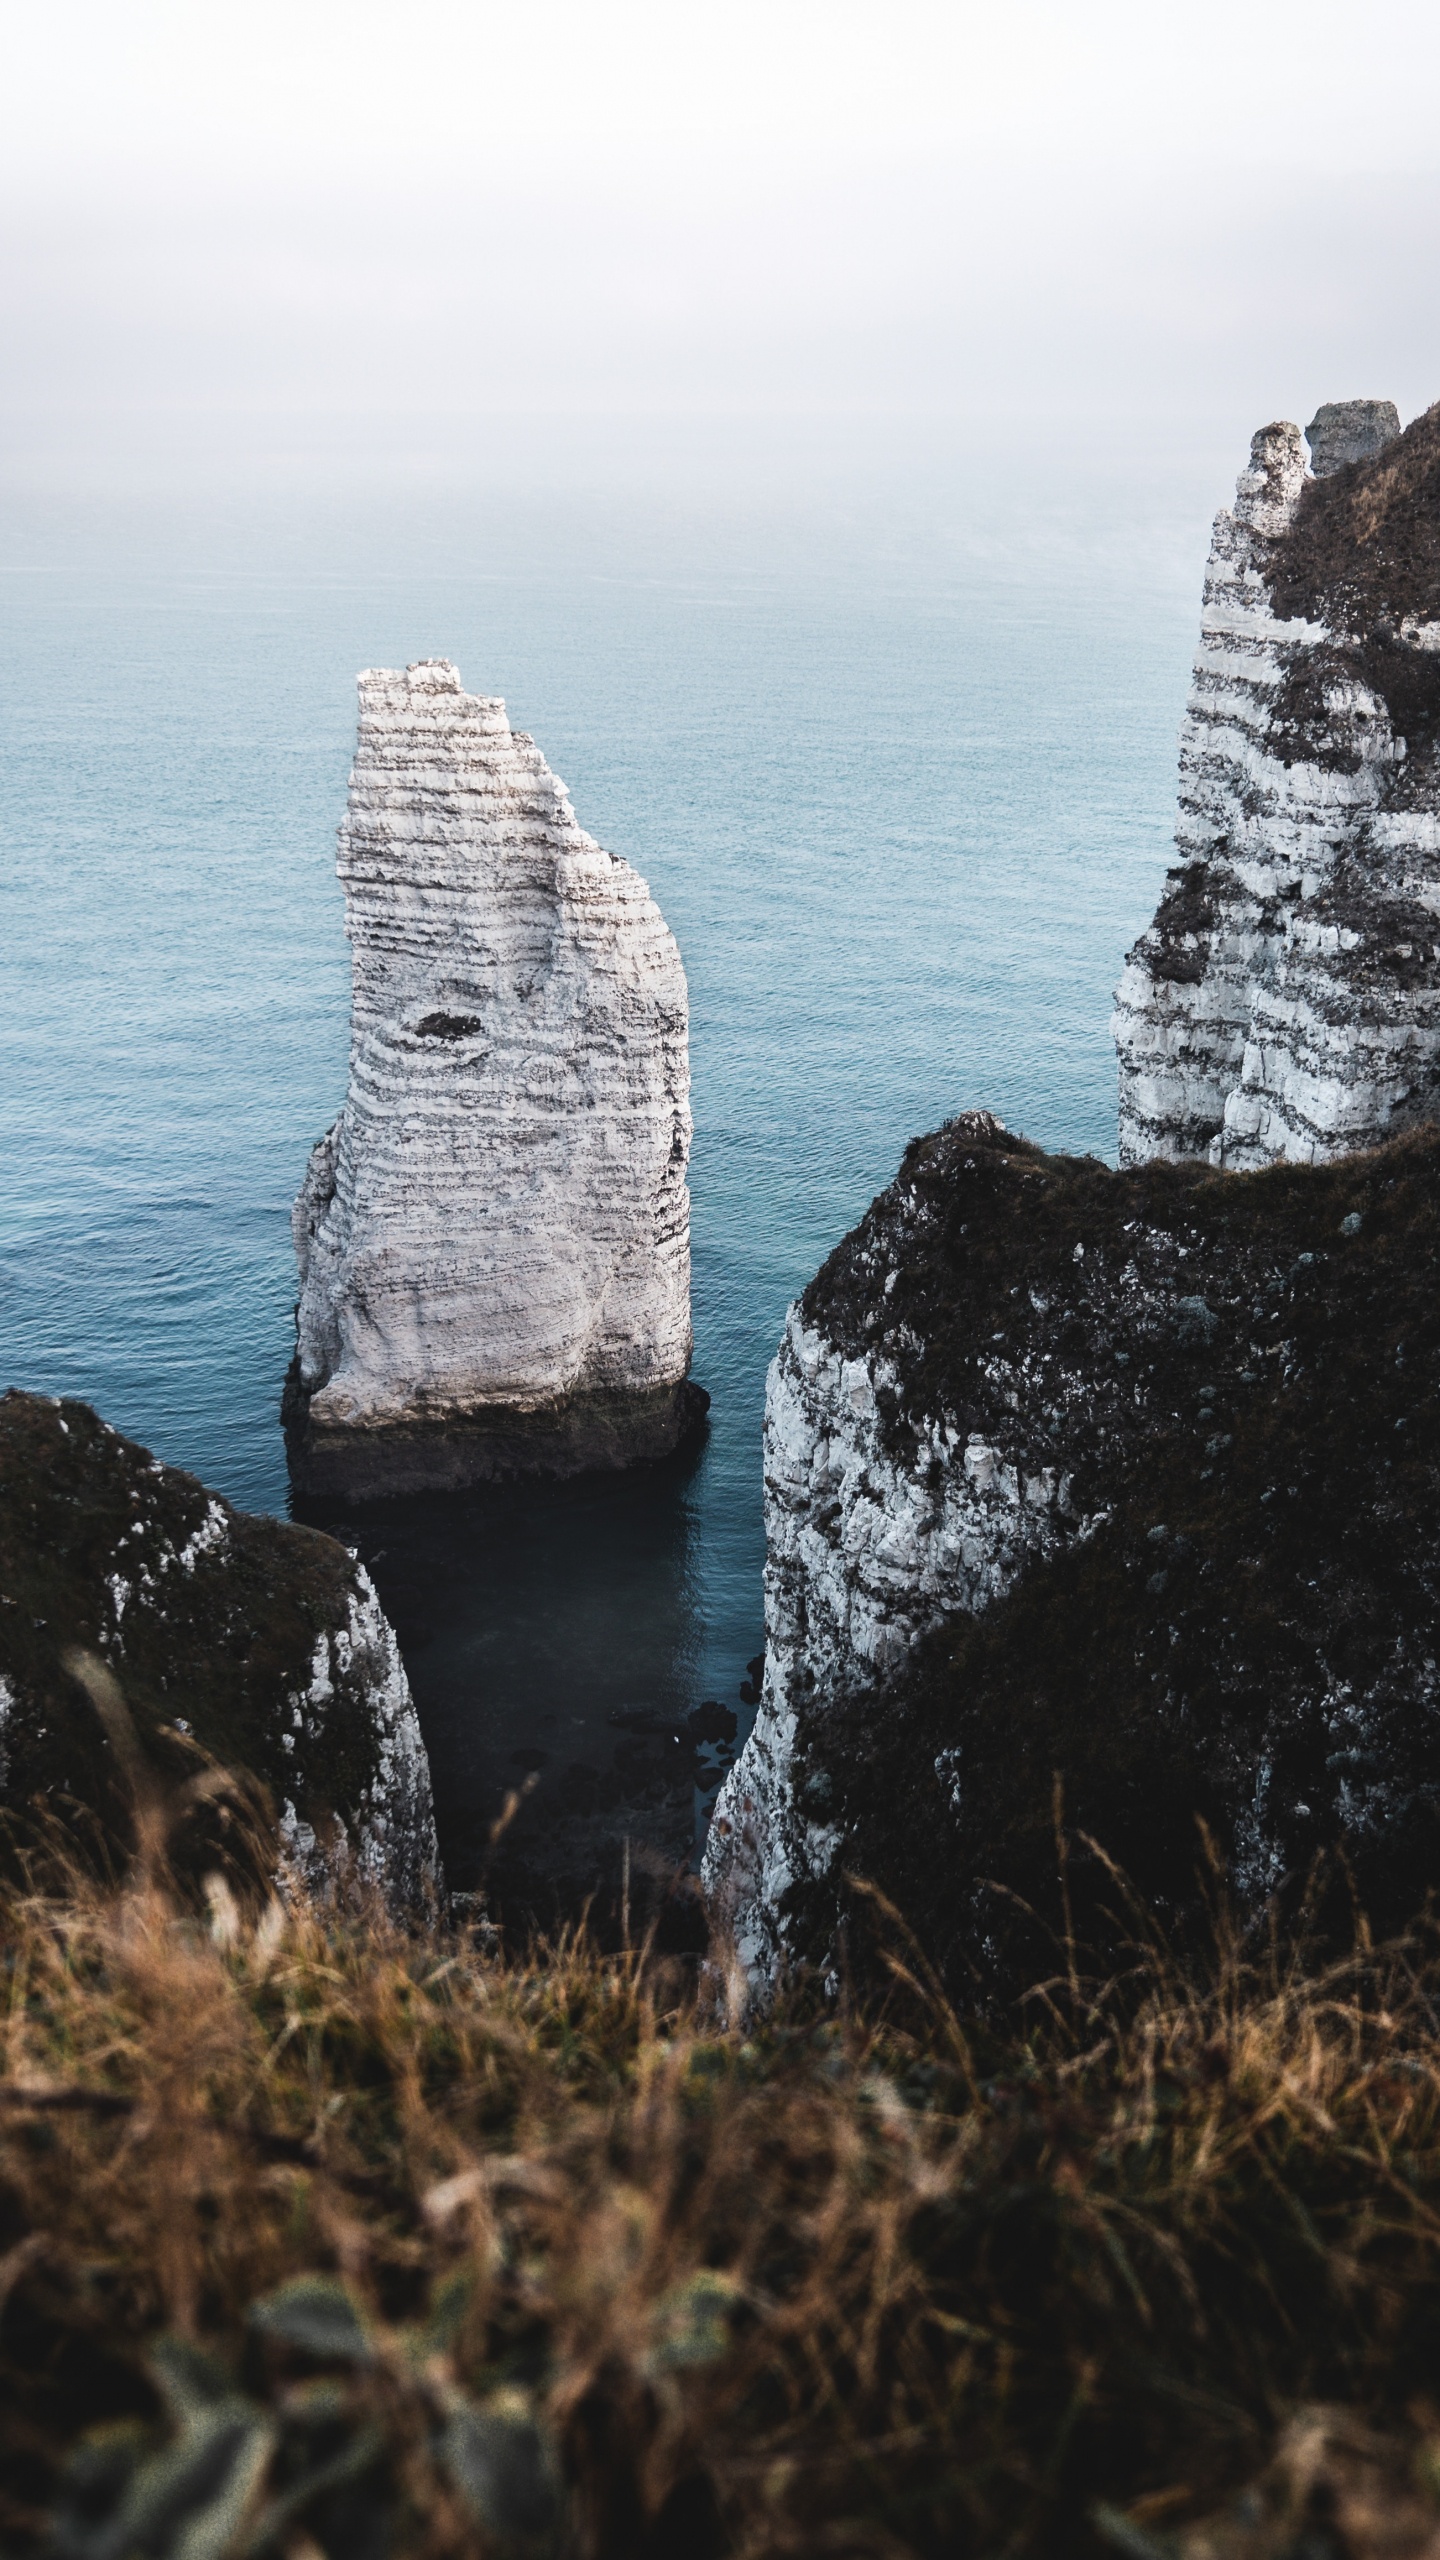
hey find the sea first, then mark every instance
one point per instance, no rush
(898, 764)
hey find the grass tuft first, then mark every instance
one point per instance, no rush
(319, 2235)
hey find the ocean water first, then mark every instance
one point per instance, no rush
(900, 774)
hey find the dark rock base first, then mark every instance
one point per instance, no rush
(598, 1431)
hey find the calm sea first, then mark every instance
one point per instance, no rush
(900, 775)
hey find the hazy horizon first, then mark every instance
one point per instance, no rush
(792, 251)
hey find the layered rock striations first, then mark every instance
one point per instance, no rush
(1285, 1002)
(1121, 1481)
(493, 1239)
(262, 1644)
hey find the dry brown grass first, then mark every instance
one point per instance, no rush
(573, 2266)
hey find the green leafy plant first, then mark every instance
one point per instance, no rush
(232, 2474)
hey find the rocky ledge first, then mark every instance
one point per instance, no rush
(494, 1238)
(1122, 1480)
(1285, 1002)
(261, 1644)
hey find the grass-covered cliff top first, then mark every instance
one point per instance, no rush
(1076, 1311)
(315, 2236)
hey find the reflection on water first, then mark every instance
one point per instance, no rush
(550, 1634)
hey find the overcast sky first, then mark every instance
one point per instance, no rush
(331, 239)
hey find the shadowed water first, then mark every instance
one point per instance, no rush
(901, 782)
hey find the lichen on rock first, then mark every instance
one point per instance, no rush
(493, 1239)
(1285, 1001)
(261, 1643)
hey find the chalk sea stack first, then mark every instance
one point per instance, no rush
(1285, 1002)
(261, 1643)
(494, 1238)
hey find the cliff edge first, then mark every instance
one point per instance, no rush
(494, 1238)
(1285, 1001)
(1127, 1479)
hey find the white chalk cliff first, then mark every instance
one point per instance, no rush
(493, 1239)
(867, 1544)
(864, 1551)
(1285, 1002)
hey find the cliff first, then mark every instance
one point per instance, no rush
(263, 1644)
(1285, 1002)
(493, 1239)
(1126, 1478)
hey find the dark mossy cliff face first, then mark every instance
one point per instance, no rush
(262, 1643)
(1129, 1478)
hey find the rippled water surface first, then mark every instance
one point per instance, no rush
(901, 782)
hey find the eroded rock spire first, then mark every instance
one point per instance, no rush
(494, 1238)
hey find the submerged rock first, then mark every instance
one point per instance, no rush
(494, 1238)
(1123, 1479)
(262, 1643)
(1285, 1002)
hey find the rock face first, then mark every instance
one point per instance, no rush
(1344, 431)
(1126, 1478)
(1285, 1002)
(264, 1643)
(493, 1239)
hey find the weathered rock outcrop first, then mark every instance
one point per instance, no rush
(262, 1643)
(494, 1238)
(1344, 431)
(1285, 1003)
(1129, 1478)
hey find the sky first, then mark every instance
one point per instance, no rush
(321, 243)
